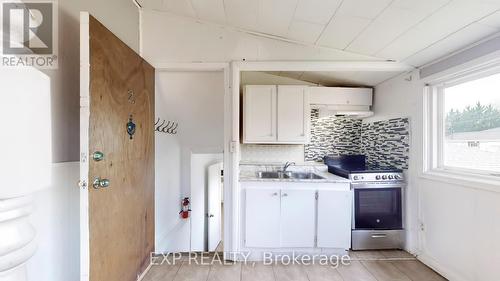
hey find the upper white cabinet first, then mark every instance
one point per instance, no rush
(293, 114)
(259, 114)
(275, 114)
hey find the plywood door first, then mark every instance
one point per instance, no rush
(116, 84)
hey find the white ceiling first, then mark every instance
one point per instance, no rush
(410, 31)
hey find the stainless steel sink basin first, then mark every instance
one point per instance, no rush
(288, 175)
(306, 176)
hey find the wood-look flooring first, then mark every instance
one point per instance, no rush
(364, 266)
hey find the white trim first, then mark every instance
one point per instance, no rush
(321, 66)
(479, 182)
(84, 146)
(143, 274)
(439, 268)
(191, 66)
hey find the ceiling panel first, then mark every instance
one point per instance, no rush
(443, 23)
(304, 31)
(180, 7)
(455, 42)
(316, 11)
(242, 13)
(275, 16)
(363, 8)
(491, 21)
(210, 10)
(342, 30)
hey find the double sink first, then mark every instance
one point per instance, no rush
(288, 175)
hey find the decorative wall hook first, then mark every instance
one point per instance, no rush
(168, 127)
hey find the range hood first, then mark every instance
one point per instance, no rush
(342, 102)
(356, 112)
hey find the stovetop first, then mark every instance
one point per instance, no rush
(354, 167)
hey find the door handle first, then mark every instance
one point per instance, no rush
(379, 235)
(210, 216)
(99, 183)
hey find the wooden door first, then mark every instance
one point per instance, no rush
(214, 206)
(259, 114)
(334, 218)
(262, 216)
(117, 222)
(293, 114)
(298, 213)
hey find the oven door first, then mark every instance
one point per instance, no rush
(378, 207)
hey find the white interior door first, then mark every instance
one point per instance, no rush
(214, 206)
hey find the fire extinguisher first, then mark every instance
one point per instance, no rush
(185, 208)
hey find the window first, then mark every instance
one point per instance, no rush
(465, 126)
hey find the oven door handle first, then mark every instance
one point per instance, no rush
(379, 235)
(377, 185)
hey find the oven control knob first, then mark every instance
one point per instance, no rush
(356, 178)
(398, 177)
(391, 177)
(384, 177)
(377, 177)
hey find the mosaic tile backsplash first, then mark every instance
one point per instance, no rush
(384, 143)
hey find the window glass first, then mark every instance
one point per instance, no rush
(472, 125)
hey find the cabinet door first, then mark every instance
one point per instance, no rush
(297, 218)
(334, 219)
(293, 114)
(262, 217)
(259, 120)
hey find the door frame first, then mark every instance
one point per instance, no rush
(236, 67)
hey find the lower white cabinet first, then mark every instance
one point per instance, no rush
(262, 219)
(304, 216)
(297, 218)
(334, 218)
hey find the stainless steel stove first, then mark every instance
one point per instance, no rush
(378, 209)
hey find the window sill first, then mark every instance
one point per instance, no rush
(468, 180)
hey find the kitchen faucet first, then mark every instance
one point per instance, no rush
(287, 164)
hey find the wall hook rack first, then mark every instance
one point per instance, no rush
(165, 126)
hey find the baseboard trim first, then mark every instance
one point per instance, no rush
(439, 268)
(140, 277)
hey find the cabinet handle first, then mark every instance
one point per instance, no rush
(275, 194)
(285, 194)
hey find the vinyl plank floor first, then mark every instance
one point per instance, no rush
(366, 255)
(396, 254)
(290, 272)
(385, 271)
(164, 272)
(256, 271)
(225, 272)
(192, 272)
(322, 273)
(355, 271)
(417, 271)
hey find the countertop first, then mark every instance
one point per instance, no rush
(248, 172)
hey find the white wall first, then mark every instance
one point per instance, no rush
(196, 101)
(56, 220)
(461, 229)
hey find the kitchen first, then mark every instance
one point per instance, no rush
(314, 176)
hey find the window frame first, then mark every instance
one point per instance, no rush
(433, 137)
